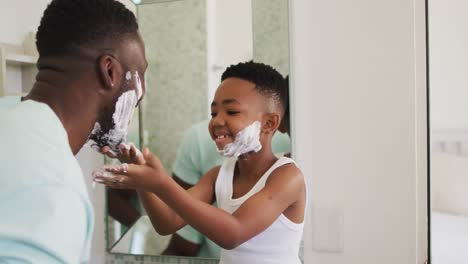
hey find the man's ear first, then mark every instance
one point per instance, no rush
(271, 122)
(110, 71)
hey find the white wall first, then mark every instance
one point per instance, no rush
(448, 55)
(233, 31)
(13, 29)
(19, 17)
(358, 89)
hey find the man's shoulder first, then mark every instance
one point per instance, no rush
(56, 208)
(33, 156)
(8, 102)
(30, 124)
(29, 165)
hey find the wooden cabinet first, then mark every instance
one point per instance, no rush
(18, 67)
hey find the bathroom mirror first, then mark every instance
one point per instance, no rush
(448, 94)
(189, 43)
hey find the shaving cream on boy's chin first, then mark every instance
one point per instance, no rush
(247, 140)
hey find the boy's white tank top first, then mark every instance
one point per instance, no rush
(279, 243)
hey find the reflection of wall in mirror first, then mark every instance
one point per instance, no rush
(188, 45)
(448, 64)
(174, 34)
(271, 33)
(229, 38)
(449, 195)
(262, 35)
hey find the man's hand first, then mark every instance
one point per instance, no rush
(128, 154)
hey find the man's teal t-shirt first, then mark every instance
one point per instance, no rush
(196, 155)
(46, 214)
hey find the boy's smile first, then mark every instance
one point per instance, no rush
(222, 139)
(222, 136)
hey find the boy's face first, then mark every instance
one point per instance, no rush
(236, 105)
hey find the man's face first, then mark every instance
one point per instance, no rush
(111, 128)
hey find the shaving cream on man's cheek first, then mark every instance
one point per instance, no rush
(121, 118)
(247, 140)
(139, 87)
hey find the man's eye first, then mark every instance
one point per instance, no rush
(213, 114)
(233, 112)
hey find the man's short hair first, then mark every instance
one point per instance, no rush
(67, 26)
(268, 81)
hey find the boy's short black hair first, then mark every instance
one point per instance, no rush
(68, 25)
(268, 81)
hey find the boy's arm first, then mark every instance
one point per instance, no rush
(283, 188)
(164, 219)
(186, 241)
(181, 182)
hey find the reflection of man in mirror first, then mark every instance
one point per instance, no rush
(196, 155)
(91, 59)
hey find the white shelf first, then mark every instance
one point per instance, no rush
(20, 59)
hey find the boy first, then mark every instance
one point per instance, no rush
(261, 198)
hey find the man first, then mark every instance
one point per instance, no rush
(91, 70)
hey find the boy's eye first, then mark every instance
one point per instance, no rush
(233, 112)
(213, 114)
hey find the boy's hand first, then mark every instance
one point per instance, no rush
(128, 154)
(146, 177)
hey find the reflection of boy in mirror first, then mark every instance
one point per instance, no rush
(122, 206)
(261, 198)
(85, 49)
(196, 155)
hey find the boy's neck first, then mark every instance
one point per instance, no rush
(254, 165)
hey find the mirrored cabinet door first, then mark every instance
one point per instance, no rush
(189, 43)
